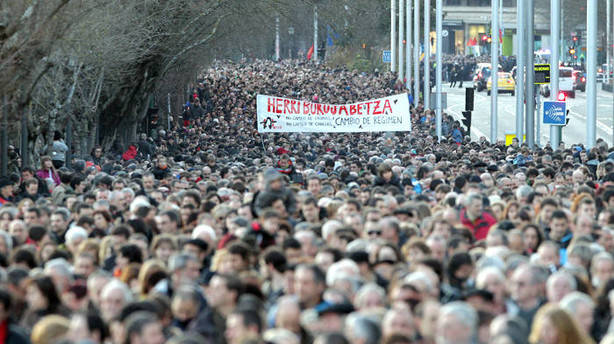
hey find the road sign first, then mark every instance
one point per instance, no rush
(542, 74)
(386, 56)
(554, 113)
(444, 33)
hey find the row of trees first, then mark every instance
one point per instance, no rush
(94, 65)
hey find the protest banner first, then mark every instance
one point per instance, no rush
(278, 115)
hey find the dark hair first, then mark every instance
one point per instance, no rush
(76, 180)
(233, 283)
(318, 275)
(122, 230)
(47, 288)
(132, 252)
(7, 300)
(96, 324)
(241, 249)
(24, 255)
(250, 318)
(558, 214)
(136, 322)
(277, 258)
(201, 244)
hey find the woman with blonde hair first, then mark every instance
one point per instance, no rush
(50, 329)
(553, 325)
(148, 269)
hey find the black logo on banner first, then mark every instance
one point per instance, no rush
(268, 121)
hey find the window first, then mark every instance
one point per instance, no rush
(478, 2)
(452, 2)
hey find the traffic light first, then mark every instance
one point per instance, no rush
(467, 120)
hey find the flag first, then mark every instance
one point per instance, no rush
(310, 53)
(329, 38)
(500, 36)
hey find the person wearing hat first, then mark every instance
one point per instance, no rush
(6, 190)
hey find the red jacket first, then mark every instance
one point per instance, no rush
(480, 226)
(130, 153)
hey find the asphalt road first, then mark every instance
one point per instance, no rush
(575, 132)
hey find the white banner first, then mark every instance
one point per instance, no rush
(277, 115)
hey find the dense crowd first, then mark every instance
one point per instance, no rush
(209, 232)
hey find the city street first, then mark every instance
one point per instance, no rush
(573, 133)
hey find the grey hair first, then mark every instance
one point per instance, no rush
(601, 256)
(60, 265)
(363, 328)
(369, 288)
(571, 281)
(463, 313)
(121, 286)
(472, 197)
(523, 191)
(75, 232)
(128, 190)
(179, 261)
(571, 301)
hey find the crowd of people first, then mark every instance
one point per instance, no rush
(210, 232)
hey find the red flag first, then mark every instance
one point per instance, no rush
(310, 53)
(500, 36)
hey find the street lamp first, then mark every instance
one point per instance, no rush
(291, 33)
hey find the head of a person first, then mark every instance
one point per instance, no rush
(457, 323)
(184, 268)
(309, 283)
(143, 328)
(42, 295)
(185, 305)
(50, 329)
(242, 325)
(474, 205)
(114, 296)
(553, 325)
(224, 291)
(581, 307)
(559, 284)
(524, 285)
(87, 327)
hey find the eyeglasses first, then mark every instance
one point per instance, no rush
(374, 232)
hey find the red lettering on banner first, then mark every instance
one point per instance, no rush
(325, 108)
(387, 106)
(376, 111)
(359, 112)
(278, 105)
(305, 108)
(343, 108)
(353, 109)
(286, 108)
(270, 104)
(333, 109)
(319, 109)
(313, 108)
(297, 110)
